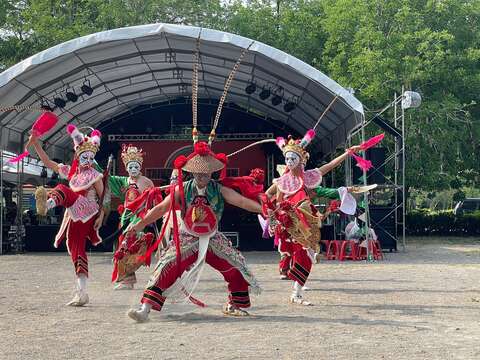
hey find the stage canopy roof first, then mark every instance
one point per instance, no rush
(149, 64)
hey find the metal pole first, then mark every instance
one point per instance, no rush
(403, 177)
(396, 166)
(1, 202)
(365, 200)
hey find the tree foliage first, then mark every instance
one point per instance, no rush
(372, 46)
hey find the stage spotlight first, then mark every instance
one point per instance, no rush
(264, 94)
(276, 100)
(59, 102)
(44, 105)
(289, 106)
(411, 99)
(251, 88)
(87, 88)
(71, 96)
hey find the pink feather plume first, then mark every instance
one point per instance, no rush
(43, 124)
(71, 128)
(310, 135)
(372, 142)
(362, 163)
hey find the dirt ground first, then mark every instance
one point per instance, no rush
(420, 304)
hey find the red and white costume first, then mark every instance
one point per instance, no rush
(81, 203)
(80, 200)
(295, 258)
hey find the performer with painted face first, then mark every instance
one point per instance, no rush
(295, 220)
(128, 189)
(84, 215)
(198, 241)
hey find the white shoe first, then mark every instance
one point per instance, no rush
(122, 286)
(231, 310)
(299, 300)
(138, 315)
(283, 277)
(305, 288)
(79, 299)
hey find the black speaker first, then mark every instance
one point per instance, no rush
(375, 175)
(382, 220)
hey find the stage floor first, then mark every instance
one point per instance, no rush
(424, 303)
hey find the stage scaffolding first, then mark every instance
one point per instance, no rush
(393, 167)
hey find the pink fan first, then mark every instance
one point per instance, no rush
(43, 124)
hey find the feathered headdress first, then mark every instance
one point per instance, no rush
(81, 142)
(296, 146)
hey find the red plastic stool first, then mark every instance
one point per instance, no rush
(326, 243)
(375, 249)
(353, 250)
(377, 252)
(333, 250)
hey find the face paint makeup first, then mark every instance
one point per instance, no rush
(292, 160)
(85, 159)
(133, 168)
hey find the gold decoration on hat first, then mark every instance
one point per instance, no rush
(86, 145)
(132, 153)
(206, 164)
(294, 146)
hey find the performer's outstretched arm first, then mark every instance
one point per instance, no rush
(235, 199)
(33, 140)
(325, 169)
(154, 213)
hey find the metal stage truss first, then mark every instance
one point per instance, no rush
(386, 205)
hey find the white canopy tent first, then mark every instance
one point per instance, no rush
(150, 64)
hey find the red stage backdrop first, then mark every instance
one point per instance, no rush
(160, 155)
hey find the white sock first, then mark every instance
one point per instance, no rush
(297, 289)
(145, 308)
(51, 204)
(82, 282)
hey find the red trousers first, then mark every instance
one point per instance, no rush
(237, 285)
(76, 232)
(295, 262)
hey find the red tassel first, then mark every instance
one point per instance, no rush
(115, 271)
(176, 236)
(73, 168)
(223, 173)
(152, 248)
(197, 302)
